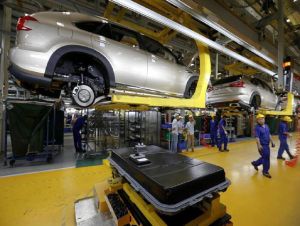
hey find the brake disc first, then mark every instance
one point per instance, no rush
(83, 95)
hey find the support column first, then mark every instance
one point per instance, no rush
(280, 39)
(5, 16)
(217, 66)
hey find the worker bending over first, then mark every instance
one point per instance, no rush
(78, 125)
(283, 135)
(263, 138)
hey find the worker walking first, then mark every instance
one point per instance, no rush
(263, 138)
(223, 134)
(213, 129)
(190, 127)
(283, 135)
(174, 133)
(78, 125)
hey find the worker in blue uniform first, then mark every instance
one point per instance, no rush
(283, 135)
(263, 139)
(213, 129)
(78, 125)
(223, 134)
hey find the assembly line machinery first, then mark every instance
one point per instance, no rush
(149, 185)
(183, 24)
(152, 186)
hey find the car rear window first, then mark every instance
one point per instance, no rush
(123, 35)
(158, 49)
(227, 80)
(95, 27)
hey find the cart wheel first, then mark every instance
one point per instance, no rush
(12, 163)
(49, 159)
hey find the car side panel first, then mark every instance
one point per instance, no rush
(43, 34)
(28, 61)
(272, 100)
(166, 76)
(269, 99)
(129, 64)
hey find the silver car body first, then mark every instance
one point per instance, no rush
(284, 100)
(225, 92)
(132, 66)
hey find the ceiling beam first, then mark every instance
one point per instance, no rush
(225, 18)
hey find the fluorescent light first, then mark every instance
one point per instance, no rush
(188, 32)
(220, 29)
(295, 0)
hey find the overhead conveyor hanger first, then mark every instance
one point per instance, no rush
(287, 111)
(198, 99)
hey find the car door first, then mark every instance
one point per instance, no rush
(269, 99)
(122, 49)
(164, 73)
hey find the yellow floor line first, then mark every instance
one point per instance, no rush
(50, 170)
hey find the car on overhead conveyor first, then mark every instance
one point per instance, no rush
(245, 91)
(89, 57)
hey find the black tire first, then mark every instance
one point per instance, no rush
(191, 89)
(255, 102)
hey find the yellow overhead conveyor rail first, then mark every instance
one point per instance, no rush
(196, 101)
(108, 107)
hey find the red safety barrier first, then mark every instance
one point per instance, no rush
(293, 162)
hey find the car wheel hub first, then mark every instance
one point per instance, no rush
(83, 95)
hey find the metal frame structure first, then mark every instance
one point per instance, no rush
(188, 32)
(189, 29)
(198, 99)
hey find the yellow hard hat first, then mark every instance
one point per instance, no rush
(260, 116)
(287, 119)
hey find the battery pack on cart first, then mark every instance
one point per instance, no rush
(170, 178)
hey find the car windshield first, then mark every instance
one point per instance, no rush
(227, 80)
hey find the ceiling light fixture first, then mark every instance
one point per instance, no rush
(222, 30)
